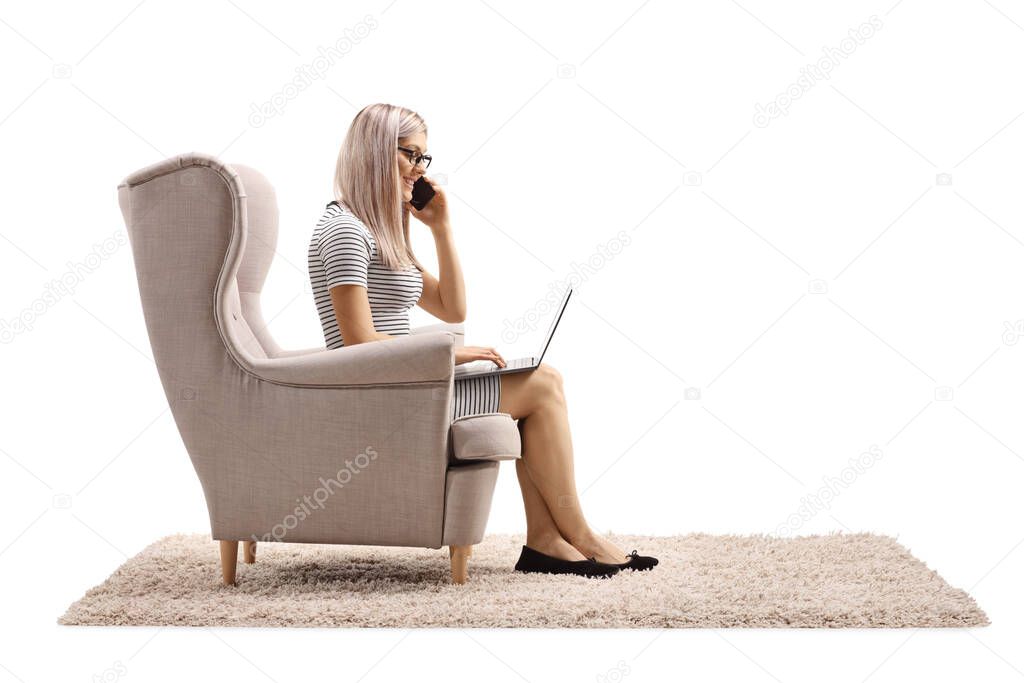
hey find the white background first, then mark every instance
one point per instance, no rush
(812, 279)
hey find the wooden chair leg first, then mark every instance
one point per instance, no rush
(249, 551)
(459, 555)
(228, 560)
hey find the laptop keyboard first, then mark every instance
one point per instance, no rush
(478, 366)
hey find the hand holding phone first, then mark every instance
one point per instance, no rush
(422, 193)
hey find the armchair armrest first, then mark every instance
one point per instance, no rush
(409, 359)
(485, 436)
(458, 328)
(285, 353)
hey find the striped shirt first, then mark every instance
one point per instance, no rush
(343, 251)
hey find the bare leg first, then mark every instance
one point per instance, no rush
(541, 532)
(536, 397)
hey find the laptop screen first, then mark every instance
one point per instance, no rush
(554, 323)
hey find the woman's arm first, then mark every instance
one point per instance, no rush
(445, 298)
(355, 319)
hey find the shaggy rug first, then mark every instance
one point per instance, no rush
(703, 581)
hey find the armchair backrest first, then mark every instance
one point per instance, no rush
(203, 235)
(201, 230)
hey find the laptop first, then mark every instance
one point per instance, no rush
(488, 367)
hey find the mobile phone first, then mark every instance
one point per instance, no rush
(422, 192)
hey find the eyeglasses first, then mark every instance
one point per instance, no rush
(415, 157)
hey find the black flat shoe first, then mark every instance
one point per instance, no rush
(533, 561)
(635, 562)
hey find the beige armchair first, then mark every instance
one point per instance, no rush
(349, 446)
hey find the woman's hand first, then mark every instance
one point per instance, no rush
(435, 213)
(465, 354)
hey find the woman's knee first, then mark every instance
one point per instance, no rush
(525, 393)
(549, 380)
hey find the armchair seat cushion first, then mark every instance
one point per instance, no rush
(485, 436)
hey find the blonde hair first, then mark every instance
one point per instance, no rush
(367, 180)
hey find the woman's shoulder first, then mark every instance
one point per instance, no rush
(338, 212)
(339, 221)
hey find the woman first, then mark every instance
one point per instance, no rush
(366, 278)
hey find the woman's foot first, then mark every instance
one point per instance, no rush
(533, 561)
(600, 548)
(555, 546)
(637, 562)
